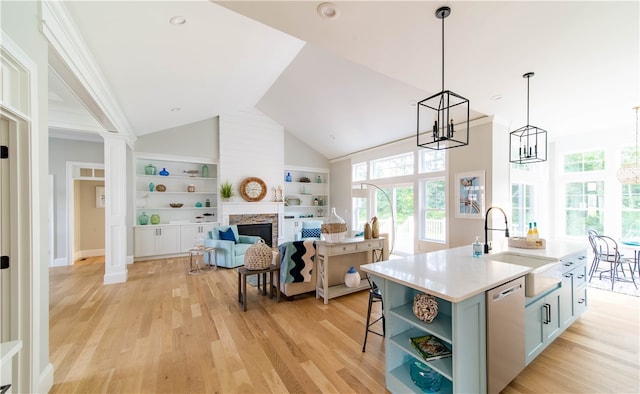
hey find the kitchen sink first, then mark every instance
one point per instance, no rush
(546, 271)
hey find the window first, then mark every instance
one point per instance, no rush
(584, 207)
(359, 172)
(630, 212)
(522, 208)
(432, 161)
(360, 217)
(434, 210)
(392, 166)
(584, 161)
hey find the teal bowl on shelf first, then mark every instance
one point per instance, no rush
(427, 379)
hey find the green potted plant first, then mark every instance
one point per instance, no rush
(226, 191)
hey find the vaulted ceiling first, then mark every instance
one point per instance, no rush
(345, 84)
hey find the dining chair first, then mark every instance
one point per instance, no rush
(606, 251)
(591, 234)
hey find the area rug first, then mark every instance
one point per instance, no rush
(253, 280)
(619, 287)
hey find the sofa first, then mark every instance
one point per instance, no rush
(297, 267)
(231, 246)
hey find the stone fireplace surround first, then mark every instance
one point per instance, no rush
(254, 213)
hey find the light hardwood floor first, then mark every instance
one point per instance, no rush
(165, 331)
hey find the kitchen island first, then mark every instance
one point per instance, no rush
(459, 283)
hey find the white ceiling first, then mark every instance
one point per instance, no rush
(343, 85)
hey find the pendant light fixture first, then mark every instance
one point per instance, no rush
(630, 173)
(528, 144)
(443, 119)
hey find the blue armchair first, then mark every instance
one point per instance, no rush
(231, 245)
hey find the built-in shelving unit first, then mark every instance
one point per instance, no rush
(460, 326)
(186, 184)
(304, 200)
(151, 200)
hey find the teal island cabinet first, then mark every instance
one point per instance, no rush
(458, 282)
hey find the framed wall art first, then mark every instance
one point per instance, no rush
(470, 195)
(99, 196)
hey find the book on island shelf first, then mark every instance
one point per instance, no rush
(430, 347)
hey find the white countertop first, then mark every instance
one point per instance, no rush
(454, 275)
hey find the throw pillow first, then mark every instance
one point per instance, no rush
(228, 235)
(311, 233)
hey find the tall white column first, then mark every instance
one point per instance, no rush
(115, 178)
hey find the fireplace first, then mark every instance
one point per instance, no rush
(270, 219)
(262, 230)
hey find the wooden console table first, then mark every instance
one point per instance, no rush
(334, 259)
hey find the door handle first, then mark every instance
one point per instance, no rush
(547, 314)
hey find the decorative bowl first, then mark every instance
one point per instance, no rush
(305, 179)
(292, 201)
(175, 204)
(161, 188)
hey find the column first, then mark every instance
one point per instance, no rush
(115, 177)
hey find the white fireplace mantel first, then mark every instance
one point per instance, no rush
(250, 208)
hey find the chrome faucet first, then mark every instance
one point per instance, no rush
(506, 227)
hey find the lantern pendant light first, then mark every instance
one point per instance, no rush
(443, 119)
(528, 144)
(629, 174)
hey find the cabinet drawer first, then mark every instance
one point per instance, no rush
(579, 276)
(370, 245)
(340, 249)
(580, 301)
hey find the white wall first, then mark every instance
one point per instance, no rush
(251, 145)
(198, 139)
(299, 154)
(62, 151)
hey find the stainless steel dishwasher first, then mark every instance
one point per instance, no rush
(505, 334)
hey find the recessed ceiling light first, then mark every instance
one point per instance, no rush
(497, 97)
(413, 103)
(175, 109)
(177, 20)
(328, 10)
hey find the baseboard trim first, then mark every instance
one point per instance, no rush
(60, 262)
(119, 277)
(81, 254)
(46, 379)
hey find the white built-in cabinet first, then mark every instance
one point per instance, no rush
(179, 228)
(306, 197)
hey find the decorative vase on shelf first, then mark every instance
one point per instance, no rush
(155, 219)
(143, 219)
(367, 231)
(424, 377)
(151, 186)
(191, 188)
(164, 172)
(334, 228)
(205, 171)
(352, 278)
(318, 179)
(150, 169)
(288, 177)
(375, 227)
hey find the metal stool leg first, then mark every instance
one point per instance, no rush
(366, 327)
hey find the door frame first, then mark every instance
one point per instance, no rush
(73, 168)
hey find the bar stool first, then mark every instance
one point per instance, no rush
(375, 295)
